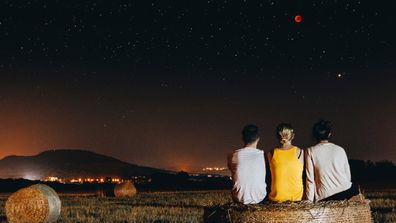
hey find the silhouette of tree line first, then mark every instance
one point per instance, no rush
(369, 171)
(363, 173)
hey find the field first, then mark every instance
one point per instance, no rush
(383, 205)
(175, 207)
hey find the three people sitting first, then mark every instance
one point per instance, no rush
(327, 169)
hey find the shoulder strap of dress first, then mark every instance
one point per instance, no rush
(299, 155)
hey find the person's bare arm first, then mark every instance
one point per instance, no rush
(269, 156)
(310, 181)
(268, 179)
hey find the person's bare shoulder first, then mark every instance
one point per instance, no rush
(269, 154)
(231, 154)
(230, 157)
(300, 154)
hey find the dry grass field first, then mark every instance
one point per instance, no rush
(175, 207)
(383, 205)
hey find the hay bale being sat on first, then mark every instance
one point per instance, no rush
(299, 212)
(35, 204)
(126, 189)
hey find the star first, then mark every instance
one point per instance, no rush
(340, 75)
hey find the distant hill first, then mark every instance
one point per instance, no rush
(69, 164)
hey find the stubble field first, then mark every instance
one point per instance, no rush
(175, 207)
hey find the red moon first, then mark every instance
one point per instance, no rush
(298, 18)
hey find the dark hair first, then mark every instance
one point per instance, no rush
(321, 130)
(250, 134)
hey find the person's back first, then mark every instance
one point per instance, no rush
(327, 168)
(328, 164)
(287, 166)
(247, 166)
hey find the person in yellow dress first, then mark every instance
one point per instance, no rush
(286, 165)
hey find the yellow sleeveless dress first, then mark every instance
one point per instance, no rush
(286, 175)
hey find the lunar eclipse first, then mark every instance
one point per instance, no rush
(298, 18)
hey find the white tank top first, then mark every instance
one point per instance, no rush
(247, 166)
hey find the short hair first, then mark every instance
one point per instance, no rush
(285, 133)
(321, 130)
(250, 134)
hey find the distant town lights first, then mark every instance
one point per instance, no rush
(214, 169)
(100, 180)
(52, 179)
(30, 177)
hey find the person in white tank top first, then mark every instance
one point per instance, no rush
(247, 166)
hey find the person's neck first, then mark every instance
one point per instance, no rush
(251, 145)
(287, 145)
(324, 141)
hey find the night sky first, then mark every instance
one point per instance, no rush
(170, 84)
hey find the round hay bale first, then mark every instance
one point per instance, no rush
(35, 204)
(324, 212)
(126, 189)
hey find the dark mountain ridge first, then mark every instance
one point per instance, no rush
(70, 164)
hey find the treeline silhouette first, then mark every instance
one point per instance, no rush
(373, 172)
(364, 173)
(184, 181)
(159, 182)
(12, 185)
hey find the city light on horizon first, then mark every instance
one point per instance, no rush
(214, 169)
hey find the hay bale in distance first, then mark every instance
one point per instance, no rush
(126, 189)
(35, 204)
(322, 212)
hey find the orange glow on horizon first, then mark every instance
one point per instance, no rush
(183, 168)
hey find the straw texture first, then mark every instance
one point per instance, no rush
(322, 212)
(126, 189)
(100, 193)
(35, 204)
